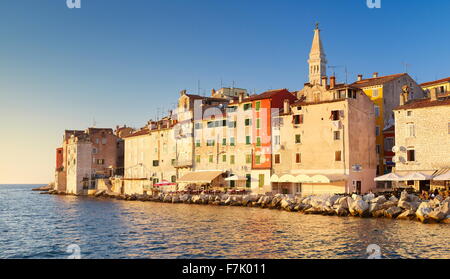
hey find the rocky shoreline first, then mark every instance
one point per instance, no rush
(407, 207)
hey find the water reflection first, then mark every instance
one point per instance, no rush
(42, 226)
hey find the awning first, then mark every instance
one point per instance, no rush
(304, 178)
(164, 183)
(199, 177)
(442, 177)
(389, 177)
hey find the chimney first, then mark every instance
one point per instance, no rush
(213, 92)
(433, 94)
(375, 75)
(360, 77)
(325, 81)
(182, 92)
(403, 99)
(286, 106)
(241, 97)
(332, 82)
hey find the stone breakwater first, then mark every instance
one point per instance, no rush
(407, 207)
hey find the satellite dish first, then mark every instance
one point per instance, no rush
(394, 159)
(401, 159)
(402, 148)
(395, 149)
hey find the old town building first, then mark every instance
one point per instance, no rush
(442, 86)
(422, 143)
(384, 91)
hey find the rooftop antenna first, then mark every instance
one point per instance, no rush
(94, 123)
(221, 83)
(198, 87)
(406, 66)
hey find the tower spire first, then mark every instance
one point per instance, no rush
(317, 59)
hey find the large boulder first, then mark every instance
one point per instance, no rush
(407, 215)
(99, 193)
(379, 200)
(196, 199)
(408, 205)
(393, 199)
(343, 202)
(446, 220)
(423, 211)
(359, 208)
(369, 197)
(387, 205)
(393, 212)
(440, 213)
(379, 213)
(356, 197)
(175, 199)
(342, 211)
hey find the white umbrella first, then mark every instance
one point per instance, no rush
(443, 177)
(389, 177)
(416, 176)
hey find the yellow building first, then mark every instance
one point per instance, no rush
(385, 93)
(442, 86)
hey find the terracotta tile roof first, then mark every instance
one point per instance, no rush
(376, 81)
(423, 103)
(435, 82)
(266, 95)
(144, 131)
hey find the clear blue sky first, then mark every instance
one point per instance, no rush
(118, 61)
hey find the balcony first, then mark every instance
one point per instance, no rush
(182, 163)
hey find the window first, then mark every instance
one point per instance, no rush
(410, 130)
(277, 140)
(298, 158)
(258, 106)
(334, 115)
(197, 143)
(210, 124)
(249, 180)
(100, 162)
(337, 156)
(217, 123)
(198, 126)
(248, 159)
(104, 141)
(336, 135)
(377, 111)
(258, 141)
(261, 180)
(232, 124)
(411, 154)
(247, 140)
(232, 142)
(173, 178)
(377, 131)
(258, 123)
(298, 139)
(378, 149)
(375, 93)
(277, 159)
(211, 158)
(94, 151)
(248, 122)
(247, 106)
(232, 109)
(258, 159)
(97, 141)
(224, 123)
(224, 141)
(409, 113)
(388, 144)
(210, 142)
(232, 159)
(298, 119)
(197, 158)
(224, 158)
(155, 163)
